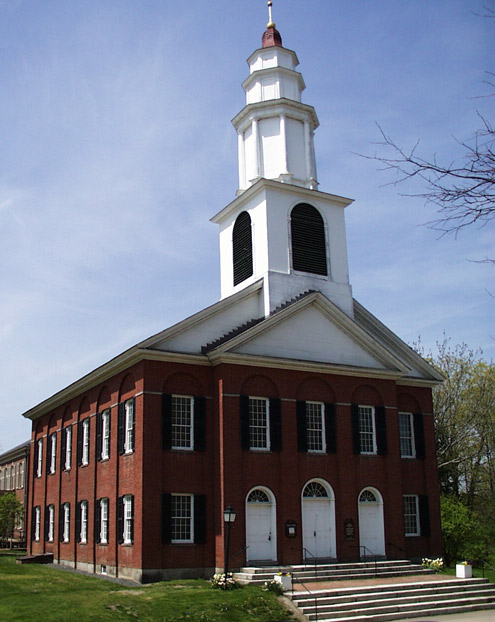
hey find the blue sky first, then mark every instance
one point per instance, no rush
(116, 148)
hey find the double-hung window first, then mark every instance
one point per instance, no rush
(182, 422)
(411, 515)
(182, 519)
(68, 448)
(53, 452)
(39, 457)
(128, 519)
(37, 523)
(50, 523)
(83, 443)
(66, 522)
(103, 435)
(127, 424)
(103, 526)
(406, 435)
(315, 427)
(83, 532)
(259, 424)
(367, 437)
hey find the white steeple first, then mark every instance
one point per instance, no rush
(275, 130)
(281, 229)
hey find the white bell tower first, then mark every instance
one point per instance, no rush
(281, 229)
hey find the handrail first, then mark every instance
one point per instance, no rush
(238, 552)
(294, 579)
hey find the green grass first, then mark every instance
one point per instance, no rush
(34, 592)
(477, 573)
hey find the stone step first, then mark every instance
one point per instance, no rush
(326, 566)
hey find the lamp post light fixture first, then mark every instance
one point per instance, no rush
(228, 517)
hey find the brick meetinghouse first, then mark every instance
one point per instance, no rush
(286, 400)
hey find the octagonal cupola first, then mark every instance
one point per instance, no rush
(275, 129)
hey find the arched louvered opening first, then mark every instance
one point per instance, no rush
(242, 244)
(308, 240)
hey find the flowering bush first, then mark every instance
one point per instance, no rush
(224, 582)
(274, 586)
(434, 564)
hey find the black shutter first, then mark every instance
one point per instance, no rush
(109, 431)
(131, 497)
(35, 458)
(381, 430)
(99, 425)
(424, 515)
(120, 519)
(79, 442)
(61, 519)
(244, 413)
(419, 436)
(275, 424)
(63, 447)
(33, 523)
(97, 530)
(166, 518)
(330, 429)
(199, 519)
(356, 437)
(133, 429)
(166, 421)
(121, 430)
(302, 437)
(49, 443)
(78, 521)
(199, 423)
(46, 522)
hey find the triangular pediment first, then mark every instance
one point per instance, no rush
(313, 329)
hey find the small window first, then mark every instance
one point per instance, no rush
(85, 442)
(66, 522)
(309, 252)
(53, 453)
(67, 447)
(37, 523)
(367, 430)
(103, 526)
(315, 427)
(259, 428)
(242, 248)
(127, 424)
(103, 435)
(182, 422)
(411, 515)
(83, 533)
(406, 435)
(39, 457)
(50, 523)
(182, 519)
(128, 519)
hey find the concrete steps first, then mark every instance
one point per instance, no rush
(332, 572)
(376, 603)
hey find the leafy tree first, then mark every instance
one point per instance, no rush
(11, 510)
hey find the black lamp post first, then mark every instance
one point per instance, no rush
(228, 517)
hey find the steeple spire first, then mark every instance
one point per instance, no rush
(271, 36)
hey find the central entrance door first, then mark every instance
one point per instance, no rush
(371, 528)
(318, 516)
(261, 537)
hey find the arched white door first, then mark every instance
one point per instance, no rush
(261, 536)
(318, 518)
(371, 526)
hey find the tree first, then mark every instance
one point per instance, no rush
(11, 511)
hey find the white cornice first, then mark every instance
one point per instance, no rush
(272, 108)
(273, 71)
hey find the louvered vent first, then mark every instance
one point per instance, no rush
(308, 240)
(242, 243)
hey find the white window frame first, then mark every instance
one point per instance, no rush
(313, 432)
(37, 523)
(127, 519)
(66, 532)
(407, 438)
(105, 434)
(53, 453)
(39, 466)
(182, 522)
(414, 516)
(129, 427)
(68, 448)
(367, 435)
(182, 430)
(83, 535)
(103, 521)
(256, 429)
(85, 443)
(2, 479)
(51, 523)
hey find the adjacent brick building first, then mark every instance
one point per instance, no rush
(14, 466)
(286, 399)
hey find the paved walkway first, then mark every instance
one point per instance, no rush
(474, 616)
(337, 585)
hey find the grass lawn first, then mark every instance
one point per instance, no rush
(477, 573)
(35, 592)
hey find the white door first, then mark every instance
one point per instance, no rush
(318, 517)
(260, 527)
(371, 528)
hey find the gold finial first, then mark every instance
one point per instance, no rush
(271, 23)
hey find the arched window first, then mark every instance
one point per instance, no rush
(308, 240)
(258, 496)
(315, 490)
(367, 496)
(242, 246)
